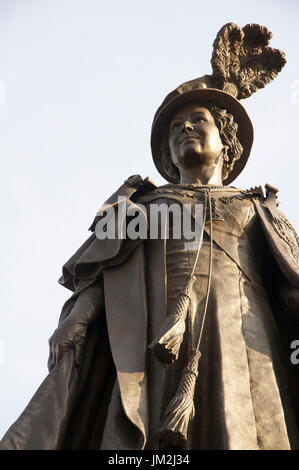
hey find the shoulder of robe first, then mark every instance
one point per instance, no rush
(95, 254)
(132, 189)
(281, 235)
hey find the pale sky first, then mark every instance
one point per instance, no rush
(80, 81)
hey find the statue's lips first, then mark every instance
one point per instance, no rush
(189, 137)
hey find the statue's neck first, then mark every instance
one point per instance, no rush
(202, 176)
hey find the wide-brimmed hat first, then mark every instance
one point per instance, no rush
(198, 92)
(232, 80)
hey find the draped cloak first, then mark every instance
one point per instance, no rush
(112, 398)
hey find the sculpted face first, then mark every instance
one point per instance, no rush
(194, 138)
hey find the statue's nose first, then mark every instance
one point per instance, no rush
(187, 127)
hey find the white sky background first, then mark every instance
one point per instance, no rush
(82, 81)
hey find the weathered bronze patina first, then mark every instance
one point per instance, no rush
(165, 346)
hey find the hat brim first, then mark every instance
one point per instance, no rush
(213, 96)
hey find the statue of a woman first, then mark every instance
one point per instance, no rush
(164, 344)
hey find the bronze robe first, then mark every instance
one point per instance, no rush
(242, 397)
(245, 396)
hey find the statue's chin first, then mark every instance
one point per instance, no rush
(195, 160)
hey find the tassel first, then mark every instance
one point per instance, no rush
(167, 344)
(176, 419)
(179, 413)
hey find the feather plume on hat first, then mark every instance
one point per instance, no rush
(241, 63)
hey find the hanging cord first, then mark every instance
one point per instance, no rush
(167, 343)
(210, 274)
(206, 193)
(193, 270)
(179, 413)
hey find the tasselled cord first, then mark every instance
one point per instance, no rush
(207, 199)
(166, 345)
(179, 412)
(194, 267)
(199, 242)
(210, 273)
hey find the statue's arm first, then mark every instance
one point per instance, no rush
(71, 331)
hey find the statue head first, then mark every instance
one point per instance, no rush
(242, 63)
(200, 134)
(226, 113)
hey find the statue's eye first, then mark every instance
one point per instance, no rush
(199, 120)
(176, 125)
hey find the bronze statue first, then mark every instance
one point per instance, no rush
(165, 345)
